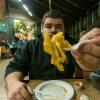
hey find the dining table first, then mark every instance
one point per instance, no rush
(87, 88)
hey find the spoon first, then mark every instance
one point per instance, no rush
(76, 46)
(43, 93)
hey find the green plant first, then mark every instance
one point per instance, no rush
(19, 26)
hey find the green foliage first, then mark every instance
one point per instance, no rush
(20, 25)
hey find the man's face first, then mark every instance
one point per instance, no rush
(53, 26)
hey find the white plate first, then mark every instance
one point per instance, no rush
(61, 90)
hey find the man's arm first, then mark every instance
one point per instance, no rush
(16, 89)
(13, 77)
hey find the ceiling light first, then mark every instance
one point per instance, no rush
(30, 13)
(19, 0)
(16, 20)
(25, 7)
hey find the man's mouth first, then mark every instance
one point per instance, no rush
(51, 35)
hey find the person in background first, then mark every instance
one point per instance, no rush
(5, 49)
(33, 60)
(13, 47)
(17, 37)
(22, 41)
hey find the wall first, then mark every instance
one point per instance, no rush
(85, 21)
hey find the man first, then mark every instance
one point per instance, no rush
(33, 60)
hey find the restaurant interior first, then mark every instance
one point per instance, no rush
(78, 14)
(23, 17)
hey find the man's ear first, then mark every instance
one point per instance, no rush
(41, 28)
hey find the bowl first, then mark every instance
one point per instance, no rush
(78, 85)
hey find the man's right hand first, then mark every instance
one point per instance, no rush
(16, 89)
(19, 91)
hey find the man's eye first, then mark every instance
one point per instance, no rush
(48, 26)
(59, 27)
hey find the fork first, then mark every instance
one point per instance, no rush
(76, 46)
(43, 93)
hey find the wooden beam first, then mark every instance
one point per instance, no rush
(64, 10)
(99, 9)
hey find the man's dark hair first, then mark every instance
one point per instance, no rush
(52, 14)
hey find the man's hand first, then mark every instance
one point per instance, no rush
(19, 91)
(94, 35)
(16, 89)
(88, 54)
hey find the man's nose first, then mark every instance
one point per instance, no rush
(54, 30)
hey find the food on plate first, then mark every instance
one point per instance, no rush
(54, 90)
(53, 98)
(78, 85)
(54, 47)
(84, 97)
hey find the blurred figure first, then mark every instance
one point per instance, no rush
(4, 49)
(13, 47)
(88, 54)
(22, 41)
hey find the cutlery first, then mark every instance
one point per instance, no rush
(76, 46)
(43, 93)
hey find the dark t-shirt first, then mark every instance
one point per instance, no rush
(34, 61)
